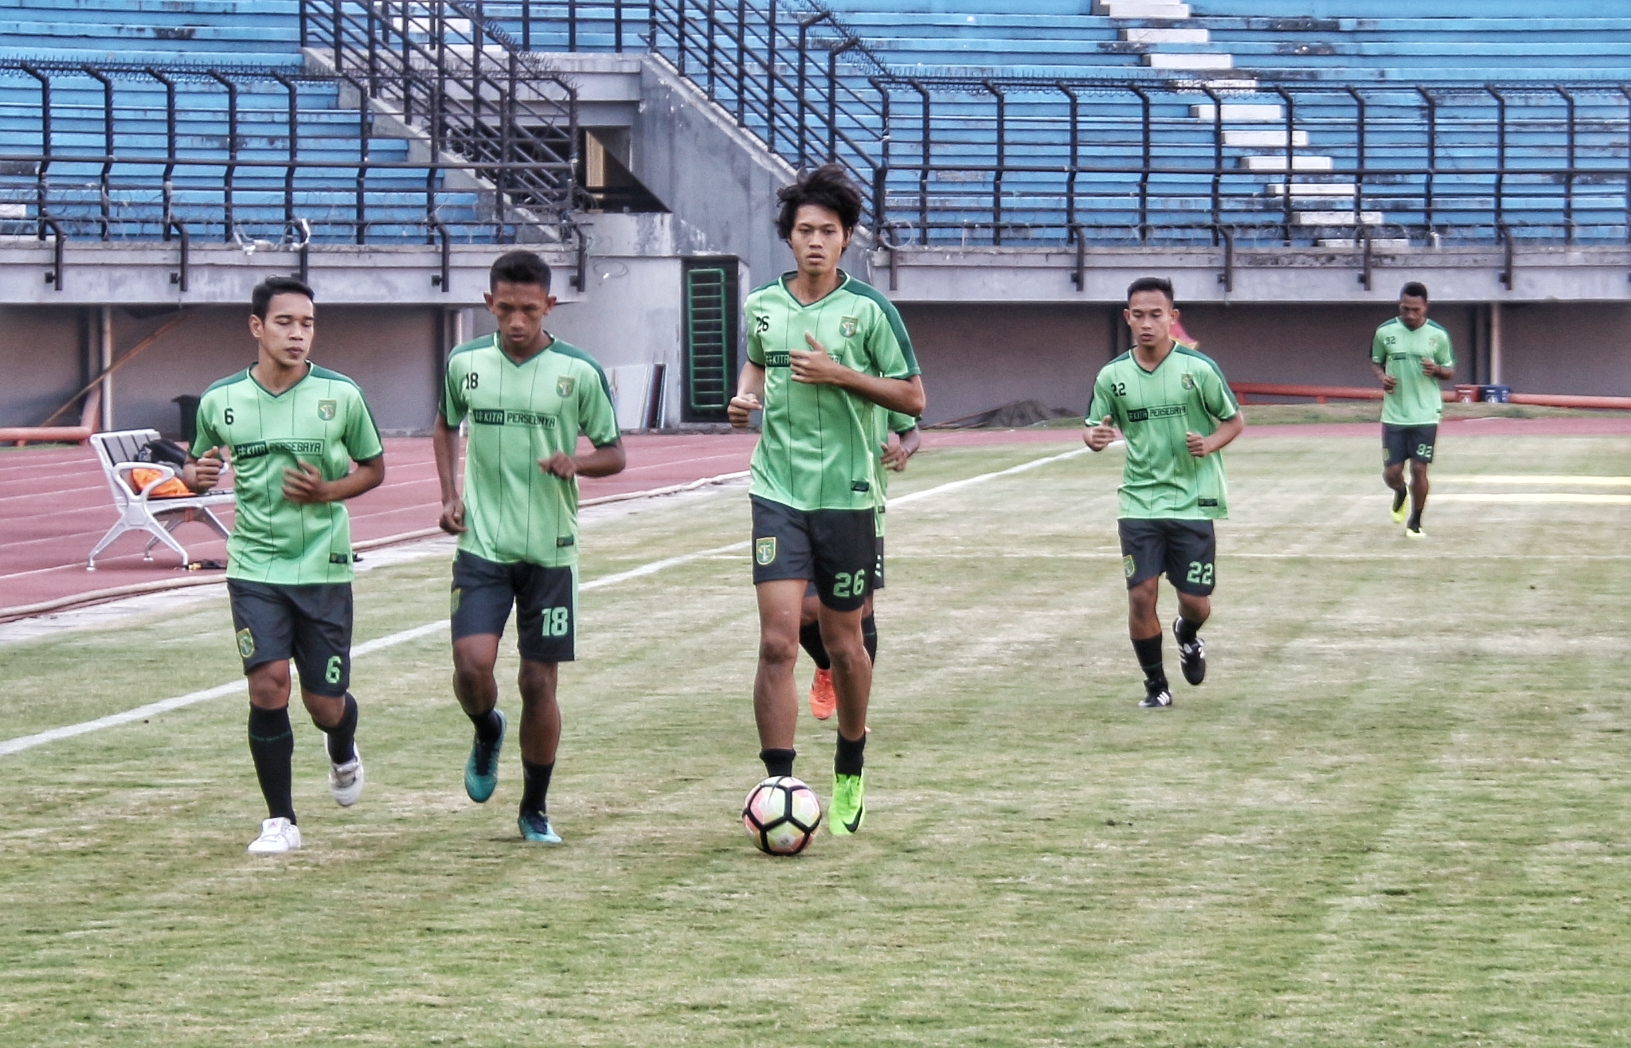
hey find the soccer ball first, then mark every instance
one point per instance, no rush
(781, 815)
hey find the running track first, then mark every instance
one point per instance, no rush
(54, 503)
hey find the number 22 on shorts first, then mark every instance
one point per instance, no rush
(1199, 573)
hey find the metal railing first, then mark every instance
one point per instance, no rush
(452, 71)
(260, 159)
(1010, 160)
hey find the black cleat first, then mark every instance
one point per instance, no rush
(1156, 697)
(1193, 655)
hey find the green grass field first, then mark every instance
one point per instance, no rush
(1396, 814)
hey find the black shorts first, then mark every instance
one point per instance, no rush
(310, 624)
(836, 548)
(545, 600)
(1407, 442)
(1184, 550)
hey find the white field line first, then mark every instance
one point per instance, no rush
(24, 742)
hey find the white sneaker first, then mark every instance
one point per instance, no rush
(345, 780)
(277, 836)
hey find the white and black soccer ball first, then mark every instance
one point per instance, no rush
(781, 815)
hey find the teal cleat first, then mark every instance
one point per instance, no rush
(481, 770)
(848, 805)
(535, 827)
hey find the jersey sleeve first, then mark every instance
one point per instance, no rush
(453, 406)
(756, 332)
(597, 420)
(1216, 396)
(888, 346)
(1103, 402)
(205, 436)
(361, 435)
(900, 422)
(1445, 357)
(1378, 348)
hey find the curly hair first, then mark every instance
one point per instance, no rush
(827, 186)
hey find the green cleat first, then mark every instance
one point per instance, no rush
(481, 770)
(535, 827)
(848, 805)
(1401, 507)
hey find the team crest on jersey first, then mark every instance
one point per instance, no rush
(849, 325)
(246, 644)
(1128, 566)
(764, 551)
(1188, 380)
(326, 410)
(565, 385)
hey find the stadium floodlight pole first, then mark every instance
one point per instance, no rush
(104, 180)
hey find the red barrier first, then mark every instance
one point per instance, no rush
(1321, 394)
(49, 434)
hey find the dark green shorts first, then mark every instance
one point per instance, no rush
(545, 601)
(835, 548)
(1407, 442)
(1183, 550)
(310, 624)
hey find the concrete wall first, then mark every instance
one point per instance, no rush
(41, 355)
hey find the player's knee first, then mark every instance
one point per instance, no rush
(778, 649)
(269, 685)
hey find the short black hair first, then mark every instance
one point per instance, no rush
(827, 186)
(1414, 289)
(1161, 284)
(271, 287)
(519, 267)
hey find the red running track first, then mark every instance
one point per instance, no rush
(54, 504)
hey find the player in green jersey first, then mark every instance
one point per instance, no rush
(527, 396)
(892, 458)
(1177, 413)
(292, 430)
(823, 350)
(1411, 355)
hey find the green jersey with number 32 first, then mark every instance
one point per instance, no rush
(322, 420)
(1416, 399)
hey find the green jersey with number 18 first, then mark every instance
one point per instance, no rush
(519, 414)
(1155, 411)
(817, 446)
(322, 420)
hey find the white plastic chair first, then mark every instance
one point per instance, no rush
(116, 451)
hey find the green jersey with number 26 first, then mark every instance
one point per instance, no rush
(817, 449)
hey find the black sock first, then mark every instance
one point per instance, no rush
(851, 756)
(535, 793)
(343, 736)
(1414, 524)
(777, 762)
(487, 726)
(810, 638)
(869, 637)
(271, 744)
(1187, 630)
(1398, 498)
(1149, 658)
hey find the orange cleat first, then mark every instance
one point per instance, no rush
(823, 700)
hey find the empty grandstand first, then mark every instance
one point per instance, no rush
(1289, 165)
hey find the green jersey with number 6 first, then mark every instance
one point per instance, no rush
(322, 420)
(1416, 399)
(1155, 411)
(817, 449)
(519, 414)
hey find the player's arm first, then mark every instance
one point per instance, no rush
(1440, 365)
(750, 389)
(598, 421)
(202, 470)
(305, 485)
(1378, 364)
(907, 445)
(1099, 434)
(604, 461)
(1219, 438)
(814, 366)
(445, 440)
